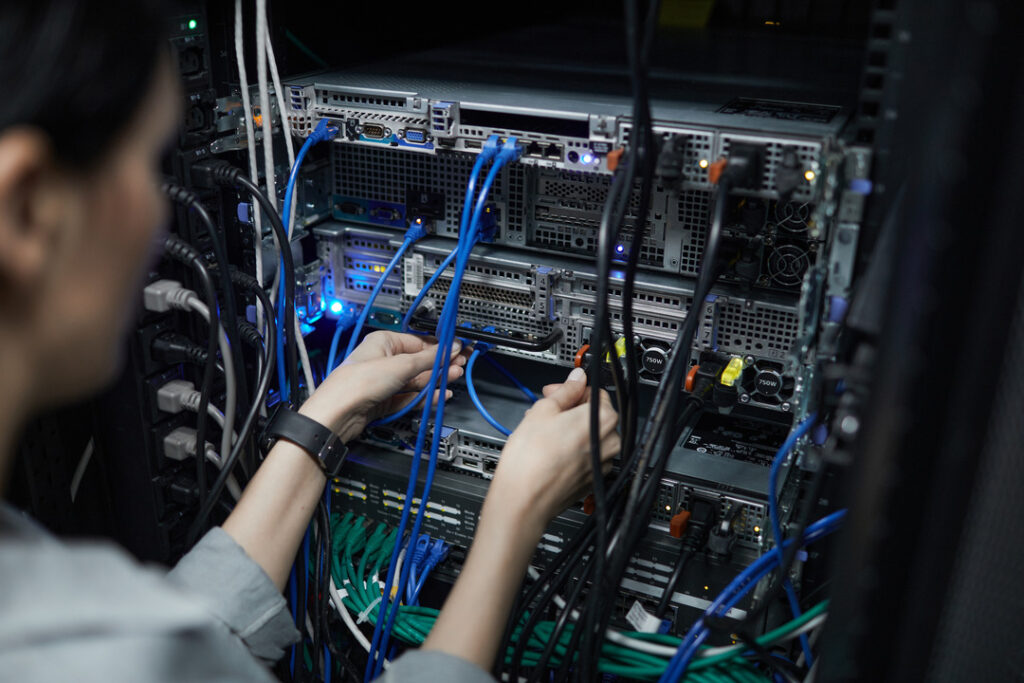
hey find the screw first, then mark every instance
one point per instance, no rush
(748, 360)
(786, 407)
(744, 398)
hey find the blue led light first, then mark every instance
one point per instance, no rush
(336, 307)
(619, 248)
(587, 158)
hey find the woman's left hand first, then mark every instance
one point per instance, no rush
(383, 373)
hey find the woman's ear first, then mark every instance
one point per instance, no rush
(30, 208)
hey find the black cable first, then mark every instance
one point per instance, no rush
(547, 585)
(183, 252)
(302, 578)
(655, 427)
(789, 555)
(262, 388)
(685, 554)
(645, 156)
(229, 314)
(316, 613)
(638, 48)
(224, 173)
(573, 598)
(600, 343)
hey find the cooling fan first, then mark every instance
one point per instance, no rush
(765, 382)
(787, 264)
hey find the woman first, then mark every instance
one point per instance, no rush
(87, 102)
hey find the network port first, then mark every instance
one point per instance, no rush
(553, 151)
(415, 135)
(533, 150)
(374, 131)
(385, 318)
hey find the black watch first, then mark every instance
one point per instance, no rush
(308, 434)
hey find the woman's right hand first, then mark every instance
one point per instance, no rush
(546, 465)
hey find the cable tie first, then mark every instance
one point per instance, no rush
(364, 615)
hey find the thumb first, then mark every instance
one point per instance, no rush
(570, 393)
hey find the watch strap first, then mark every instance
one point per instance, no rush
(308, 434)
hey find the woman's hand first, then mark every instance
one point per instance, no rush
(545, 465)
(383, 373)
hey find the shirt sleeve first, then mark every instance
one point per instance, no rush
(236, 590)
(431, 665)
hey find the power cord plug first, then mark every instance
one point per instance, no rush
(165, 295)
(174, 348)
(176, 396)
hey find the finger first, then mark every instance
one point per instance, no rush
(387, 343)
(611, 445)
(410, 365)
(421, 380)
(549, 389)
(399, 401)
(608, 417)
(568, 395)
(437, 396)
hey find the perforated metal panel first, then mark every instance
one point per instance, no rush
(384, 175)
(759, 330)
(807, 154)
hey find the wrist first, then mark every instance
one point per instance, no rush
(341, 418)
(505, 507)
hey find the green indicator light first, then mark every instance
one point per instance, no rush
(192, 23)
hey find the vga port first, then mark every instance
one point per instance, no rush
(415, 135)
(374, 131)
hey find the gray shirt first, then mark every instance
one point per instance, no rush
(86, 611)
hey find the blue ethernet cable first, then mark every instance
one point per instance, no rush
(530, 396)
(415, 232)
(418, 557)
(344, 322)
(773, 514)
(381, 635)
(321, 133)
(446, 324)
(475, 398)
(438, 551)
(446, 333)
(734, 592)
(426, 288)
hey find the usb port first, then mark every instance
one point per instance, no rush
(474, 144)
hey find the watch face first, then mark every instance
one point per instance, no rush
(332, 455)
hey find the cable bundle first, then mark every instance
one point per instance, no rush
(360, 551)
(468, 229)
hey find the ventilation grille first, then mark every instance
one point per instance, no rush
(491, 313)
(354, 284)
(384, 175)
(588, 287)
(752, 516)
(487, 293)
(693, 214)
(638, 320)
(806, 153)
(326, 97)
(698, 146)
(757, 330)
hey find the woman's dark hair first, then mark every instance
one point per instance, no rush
(77, 69)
